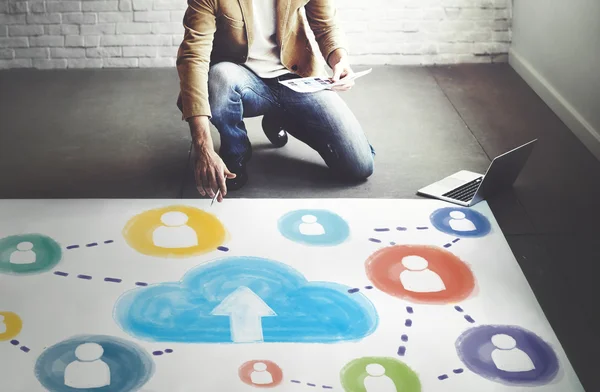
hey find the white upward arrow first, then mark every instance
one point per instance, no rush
(245, 310)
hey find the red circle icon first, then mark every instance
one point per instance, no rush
(261, 373)
(420, 273)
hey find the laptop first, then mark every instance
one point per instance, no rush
(467, 188)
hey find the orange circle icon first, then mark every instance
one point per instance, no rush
(261, 373)
(175, 231)
(420, 273)
(10, 325)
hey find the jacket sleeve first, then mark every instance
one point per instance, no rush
(322, 19)
(193, 57)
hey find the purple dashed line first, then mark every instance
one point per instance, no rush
(466, 316)
(310, 384)
(14, 342)
(443, 377)
(296, 382)
(90, 245)
(422, 228)
(382, 229)
(449, 244)
(60, 273)
(401, 228)
(375, 240)
(223, 248)
(355, 290)
(408, 323)
(458, 371)
(86, 277)
(454, 241)
(113, 280)
(327, 387)
(409, 309)
(401, 351)
(159, 352)
(368, 287)
(25, 349)
(404, 338)
(141, 284)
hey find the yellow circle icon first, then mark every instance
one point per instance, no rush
(10, 325)
(175, 231)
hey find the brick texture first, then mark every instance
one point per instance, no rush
(55, 34)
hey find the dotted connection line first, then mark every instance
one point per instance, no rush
(310, 384)
(407, 323)
(399, 228)
(357, 289)
(159, 352)
(455, 371)
(466, 316)
(449, 244)
(89, 277)
(25, 349)
(90, 245)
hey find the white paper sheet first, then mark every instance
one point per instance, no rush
(294, 295)
(314, 84)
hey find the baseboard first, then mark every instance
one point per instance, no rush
(584, 131)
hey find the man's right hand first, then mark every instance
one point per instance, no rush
(210, 172)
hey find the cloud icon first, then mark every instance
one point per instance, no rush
(242, 300)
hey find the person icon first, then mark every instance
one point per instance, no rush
(174, 233)
(418, 278)
(3, 326)
(459, 222)
(88, 371)
(508, 357)
(24, 254)
(310, 226)
(260, 375)
(377, 381)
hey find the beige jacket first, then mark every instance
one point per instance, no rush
(222, 30)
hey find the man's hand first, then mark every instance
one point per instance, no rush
(340, 64)
(211, 173)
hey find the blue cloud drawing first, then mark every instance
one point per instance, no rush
(215, 300)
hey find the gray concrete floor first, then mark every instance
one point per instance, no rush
(118, 134)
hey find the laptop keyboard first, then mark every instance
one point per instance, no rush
(464, 192)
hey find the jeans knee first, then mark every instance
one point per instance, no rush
(351, 165)
(222, 85)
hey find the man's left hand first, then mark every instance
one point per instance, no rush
(341, 69)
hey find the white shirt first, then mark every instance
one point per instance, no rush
(263, 56)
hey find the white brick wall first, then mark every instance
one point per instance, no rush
(49, 34)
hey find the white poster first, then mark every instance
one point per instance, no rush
(289, 295)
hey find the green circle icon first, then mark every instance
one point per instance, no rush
(379, 374)
(28, 254)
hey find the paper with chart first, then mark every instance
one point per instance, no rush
(314, 84)
(288, 295)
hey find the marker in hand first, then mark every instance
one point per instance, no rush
(215, 197)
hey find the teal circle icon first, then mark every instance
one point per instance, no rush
(28, 254)
(314, 227)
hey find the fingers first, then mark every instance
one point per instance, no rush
(337, 73)
(222, 185)
(204, 182)
(198, 178)
(211, 186)
(344, 87)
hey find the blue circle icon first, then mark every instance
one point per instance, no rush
(314, 227)
(461, 222)
(508, 354)
(95, 362)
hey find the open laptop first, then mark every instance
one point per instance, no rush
(467, 188)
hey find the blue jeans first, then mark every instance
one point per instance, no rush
(322, 120)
